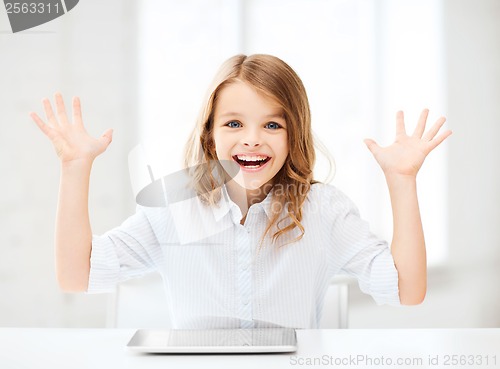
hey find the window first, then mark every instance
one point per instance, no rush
(360, 61)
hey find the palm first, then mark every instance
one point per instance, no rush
(73, 143)
(406, 155)
(70, 140)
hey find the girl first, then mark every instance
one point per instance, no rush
(256, 246)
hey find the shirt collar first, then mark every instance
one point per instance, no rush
(226, 205)
(266, 204)
(223, 207)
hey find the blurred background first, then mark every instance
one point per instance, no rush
(142, 68)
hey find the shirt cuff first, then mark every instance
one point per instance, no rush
(384, 280)
(104, 266)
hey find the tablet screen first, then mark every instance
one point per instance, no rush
(215, 340)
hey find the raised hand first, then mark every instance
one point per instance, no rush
(406, 155)
(70, 139)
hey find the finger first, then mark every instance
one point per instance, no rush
(420, 128)
(107, 137)
(43, 127)
(429, 135)
(400, 123)
(437, 141)
(77, 111)
(39, 122)
(372, 145)
(61, 111)
(49, 113)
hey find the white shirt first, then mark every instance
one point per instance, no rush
(216, 276)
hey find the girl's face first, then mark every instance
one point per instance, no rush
(250, 130)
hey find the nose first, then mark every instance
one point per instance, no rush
(251, 138)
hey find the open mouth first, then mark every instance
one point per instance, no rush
(251, 162)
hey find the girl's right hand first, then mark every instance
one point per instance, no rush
(70, 139)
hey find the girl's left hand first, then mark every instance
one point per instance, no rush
(407, 154)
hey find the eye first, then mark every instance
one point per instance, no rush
(273, 125)
(233, 124)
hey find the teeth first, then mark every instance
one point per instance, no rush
(252, 158)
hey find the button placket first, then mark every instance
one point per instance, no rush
(245, 273)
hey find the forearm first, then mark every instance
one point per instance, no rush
(73, 236)
(408, 243)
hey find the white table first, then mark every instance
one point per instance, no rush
(105, 348)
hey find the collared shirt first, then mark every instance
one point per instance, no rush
(218, 273)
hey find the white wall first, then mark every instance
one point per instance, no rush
(465, 293)
(89, 52)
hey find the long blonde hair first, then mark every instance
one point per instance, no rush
(276, 80)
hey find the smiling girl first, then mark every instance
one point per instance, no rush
(258, 248)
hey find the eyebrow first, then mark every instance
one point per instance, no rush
(232, 114)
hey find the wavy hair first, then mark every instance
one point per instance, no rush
(277, 80)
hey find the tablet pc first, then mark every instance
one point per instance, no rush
(214, 340)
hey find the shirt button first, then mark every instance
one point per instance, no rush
(246, 302)
(244, 267)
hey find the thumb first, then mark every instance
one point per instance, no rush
(107, 137)
(371, 144)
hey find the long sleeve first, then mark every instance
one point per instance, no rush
(128, 251)
(356, 251)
